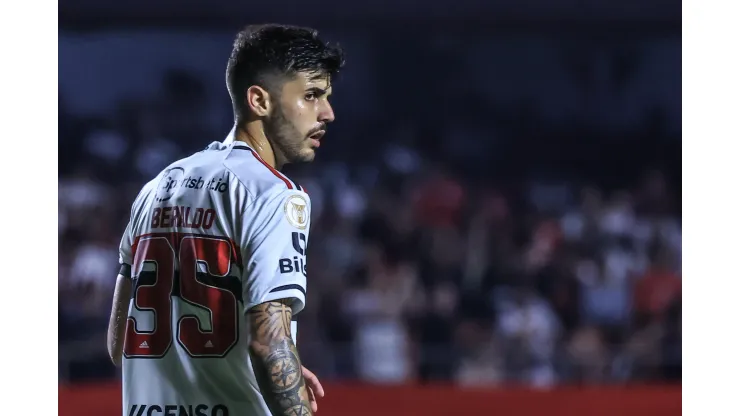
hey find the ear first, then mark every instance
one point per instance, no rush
(258, 101)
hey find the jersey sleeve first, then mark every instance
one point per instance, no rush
(125, 251)
(276, 250)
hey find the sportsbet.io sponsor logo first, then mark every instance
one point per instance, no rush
(175, 179)
(168, 184)
(178, 410)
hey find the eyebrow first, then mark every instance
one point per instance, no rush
(318, 91)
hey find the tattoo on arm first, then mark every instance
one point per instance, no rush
(275, 360)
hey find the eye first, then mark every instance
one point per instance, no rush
(311, 96)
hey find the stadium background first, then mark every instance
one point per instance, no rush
(497, 208)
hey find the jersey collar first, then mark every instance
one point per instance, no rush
(230, 138)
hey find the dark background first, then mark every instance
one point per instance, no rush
(498, 201)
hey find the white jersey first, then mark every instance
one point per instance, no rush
(211, 236)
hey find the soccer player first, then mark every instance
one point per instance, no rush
(213, 260)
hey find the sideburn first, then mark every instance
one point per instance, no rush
(282, 136)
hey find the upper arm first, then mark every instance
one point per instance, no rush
(275, 252)
(269, 324)
(138, 209)
(121, 295)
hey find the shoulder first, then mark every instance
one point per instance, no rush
(279, 204)
(163, 186)
(146, 192)
(262, 181)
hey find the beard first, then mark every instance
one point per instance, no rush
(286, 138)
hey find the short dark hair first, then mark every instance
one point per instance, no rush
(264, 54)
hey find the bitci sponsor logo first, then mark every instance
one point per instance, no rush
(296, 264)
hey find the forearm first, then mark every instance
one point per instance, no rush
(117, 322)
(275, 360)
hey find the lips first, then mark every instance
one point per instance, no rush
(318, 135)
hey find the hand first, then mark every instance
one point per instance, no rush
(314, 388)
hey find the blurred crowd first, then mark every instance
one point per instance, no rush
(551, 255)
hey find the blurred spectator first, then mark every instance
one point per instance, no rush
(436, 329)
(659, 287)
(589, 356)
(531, 329)
(382, 344)
(481, 357)
(606, 299)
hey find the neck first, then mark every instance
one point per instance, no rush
(253, 134)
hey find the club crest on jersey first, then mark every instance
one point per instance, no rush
(296, 211)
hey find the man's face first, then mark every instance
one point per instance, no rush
(299, 117)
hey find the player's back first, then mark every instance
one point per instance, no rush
(190, 246)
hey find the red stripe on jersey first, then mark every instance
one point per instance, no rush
(273, 170)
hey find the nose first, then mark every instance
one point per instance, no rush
(326, 114)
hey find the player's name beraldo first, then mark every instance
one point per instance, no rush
(183, 217)
(178, 410)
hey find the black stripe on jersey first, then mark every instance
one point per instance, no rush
(295, 185)
(289, 287)
(229, 283)
(125, 270)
